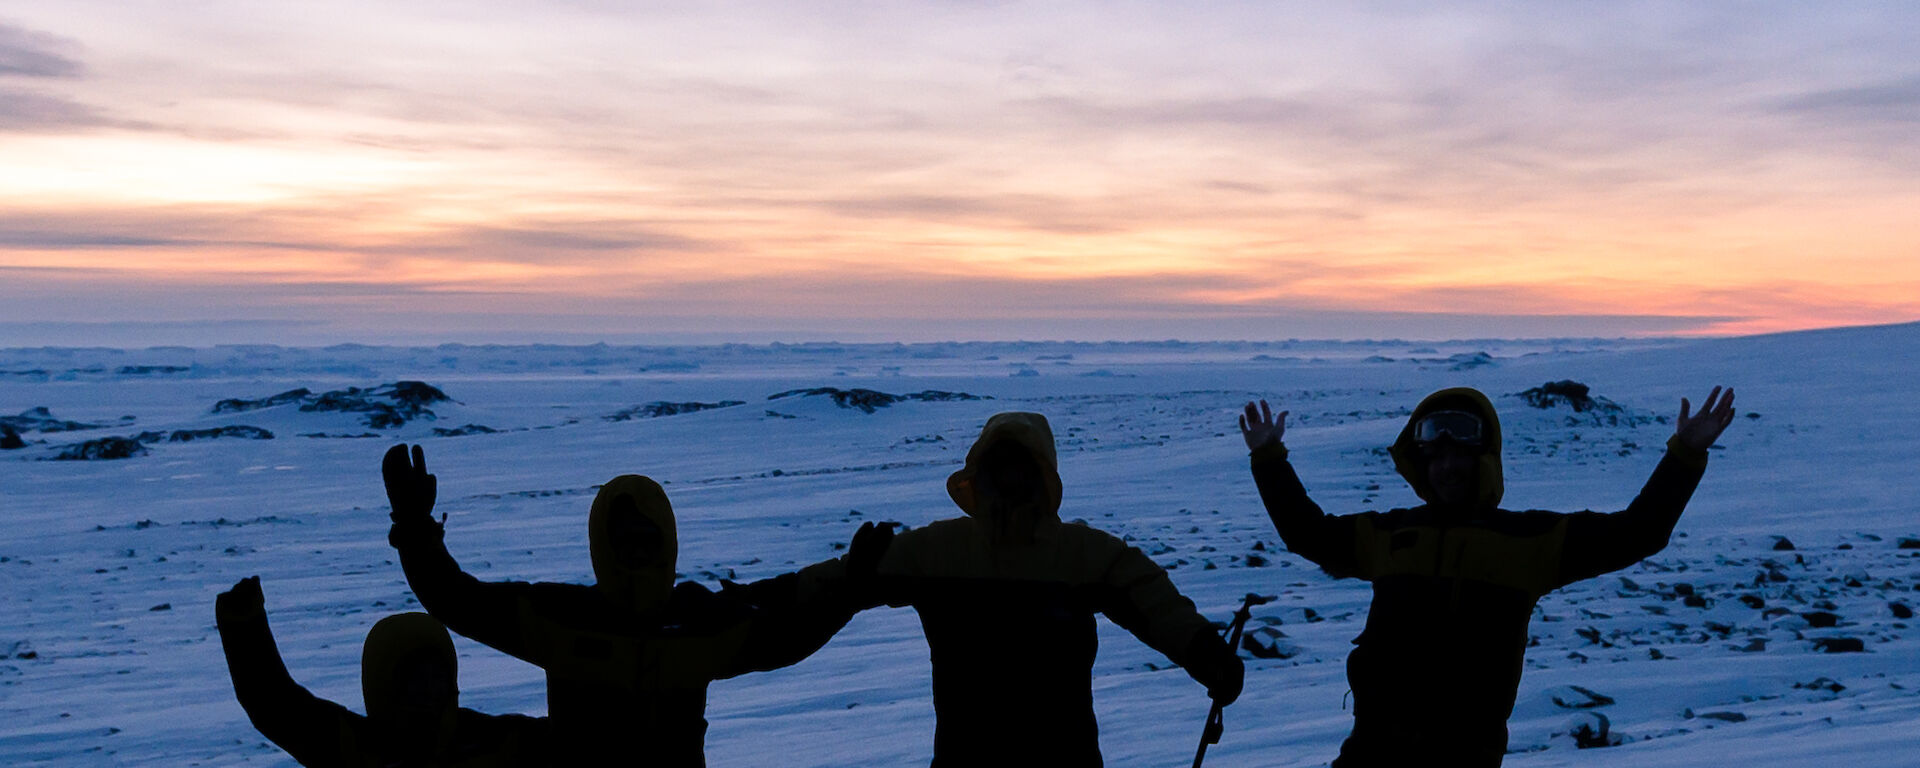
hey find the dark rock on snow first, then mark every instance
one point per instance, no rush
(661, 408)
(1839, 645)
(101, 449)
(386, 406)
(237, 405)
(39, 419)
(868, 400)
(189, 435)
(9, 439)
(1577, 697)
(464, 429)
(1268, 643)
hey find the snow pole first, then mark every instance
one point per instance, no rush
(1216, 717)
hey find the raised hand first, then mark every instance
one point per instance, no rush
(244, 598)
(870, 542)
(410, 489)
(1261, 425)
(1699, 431)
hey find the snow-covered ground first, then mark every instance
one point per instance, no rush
(108, 568)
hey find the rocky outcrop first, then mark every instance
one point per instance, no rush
(237, 405)
(661, 408)
(386, 406)
(39, 419)
(868, 401)
(102, 449)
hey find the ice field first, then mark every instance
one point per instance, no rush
(1729, 648)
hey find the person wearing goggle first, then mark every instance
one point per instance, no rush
(1455, 579)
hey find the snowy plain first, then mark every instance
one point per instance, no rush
(1711, 652)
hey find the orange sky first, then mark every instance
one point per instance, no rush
(821, 167)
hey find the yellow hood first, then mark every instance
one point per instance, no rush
(402, 638)
(1412, 466)
(647, 587)
(1029, 431)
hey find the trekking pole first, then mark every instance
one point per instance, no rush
(1216, 717)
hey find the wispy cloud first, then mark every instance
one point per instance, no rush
(1068, 160)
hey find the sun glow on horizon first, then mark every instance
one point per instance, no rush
(1009, 166)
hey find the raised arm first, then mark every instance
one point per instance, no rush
(488, 612)
(795, 614)
(1597, 543)
(1326, 540)
(1141, 598)
(306, 726)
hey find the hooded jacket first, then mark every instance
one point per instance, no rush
(1007, 596)
(321, 734)
(1437, 666)
(628, 659)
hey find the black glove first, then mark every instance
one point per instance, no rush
(244, 599)
(869, 545)
(411, 492)
(1216, 665)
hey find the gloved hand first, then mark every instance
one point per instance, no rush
(869, 544)
(1216, 665)
(411, 492)
(244, 599)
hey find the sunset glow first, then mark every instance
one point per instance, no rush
(466, 168)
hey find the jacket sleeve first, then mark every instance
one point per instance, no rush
(306, 726)
(1326, 540)
(491, 613)
(1597, 543)
(788, 624)
(1141, 599)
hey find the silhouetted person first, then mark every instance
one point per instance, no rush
(1007, 597)
(1435, 671)
(407, 675)
(629, 658)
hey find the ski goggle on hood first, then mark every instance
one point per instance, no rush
(1459, 426)
(631, 535)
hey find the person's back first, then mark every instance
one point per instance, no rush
(1007, 597)
(628, 659)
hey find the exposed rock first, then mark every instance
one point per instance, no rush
(1725, 717)
(1782, 544)
(102, 449)
(1592, 730)
(149, 370)
(386, 406)
(1268, 643)
(464, 429)
(190, 435)
(9, 439)
(1820, 619)
(1821, 684)
(236, 405)
(1468, 360)
(1589, 410)
(1576, 697)
(662, 408)
(39, 419)
(868, 400)
(1900, 610)
(1565, 392)
(1909, 542)
(1839, 645)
